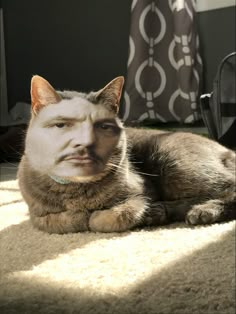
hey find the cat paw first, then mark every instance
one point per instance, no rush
(106, 221)
(155, 215)
(204, 214)
(64, 222)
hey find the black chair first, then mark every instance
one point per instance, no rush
(218, 108)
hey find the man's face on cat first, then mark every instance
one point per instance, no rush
(71, 137)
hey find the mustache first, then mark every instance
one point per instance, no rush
(86, 154)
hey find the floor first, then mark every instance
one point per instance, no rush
(8, 171)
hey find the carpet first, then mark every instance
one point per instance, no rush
(169, 269)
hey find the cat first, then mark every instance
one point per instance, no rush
(82, 170)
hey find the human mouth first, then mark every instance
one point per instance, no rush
(83, 160)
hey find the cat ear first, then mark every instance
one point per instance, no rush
(110, 95)
(42, 94)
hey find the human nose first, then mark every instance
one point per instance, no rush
(83, 137)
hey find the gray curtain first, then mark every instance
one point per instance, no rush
(164, 65)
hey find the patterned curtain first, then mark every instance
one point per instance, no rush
(164, 65)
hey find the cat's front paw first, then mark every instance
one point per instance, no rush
(106, 221)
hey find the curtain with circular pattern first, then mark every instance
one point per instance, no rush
(164, 65)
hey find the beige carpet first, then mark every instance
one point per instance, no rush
(174, 269)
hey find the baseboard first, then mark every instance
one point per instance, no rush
(207, 5)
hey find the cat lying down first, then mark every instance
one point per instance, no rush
(82, 170)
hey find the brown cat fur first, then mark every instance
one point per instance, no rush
(82, 170)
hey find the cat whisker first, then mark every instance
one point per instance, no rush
(9, 164)
(139, 172)
(114, 165)
(115, 170)
(148, 174)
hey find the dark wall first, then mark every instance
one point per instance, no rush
(217, 37)
(74, 44)
(84, 44)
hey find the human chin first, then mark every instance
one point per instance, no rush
(78, 170)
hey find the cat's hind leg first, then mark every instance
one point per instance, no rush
(193, 211)
(211, 211)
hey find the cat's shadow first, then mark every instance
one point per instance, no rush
(22, 246)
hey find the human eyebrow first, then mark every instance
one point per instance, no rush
(106, 120)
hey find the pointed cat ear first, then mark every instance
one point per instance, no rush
(110, 95)
(42, 94)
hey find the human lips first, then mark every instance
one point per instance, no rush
(80, 159)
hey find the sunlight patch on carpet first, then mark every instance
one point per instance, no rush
(14, 215)
(109, 266)
(13, 210)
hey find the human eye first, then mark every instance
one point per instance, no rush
(60, 125)
(106, 126)
(109, 127)
(63, 124)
